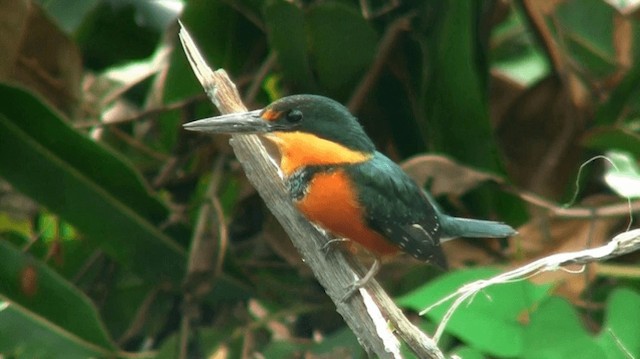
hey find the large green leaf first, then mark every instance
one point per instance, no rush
(38, 306)
(587, 29)
(606, 138)
(514, 53)
(621, 328)
(456, 102)
(84, 183)
(621, 97)
(342, 44)
(498, 307)
(555, 332)
(109, 35)
(285, 25)
(26, 335)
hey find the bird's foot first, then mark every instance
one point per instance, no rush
(355, 286)
(329, 246)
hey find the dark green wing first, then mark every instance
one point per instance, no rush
(396, 208)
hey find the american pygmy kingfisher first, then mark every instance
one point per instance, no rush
(341, 183)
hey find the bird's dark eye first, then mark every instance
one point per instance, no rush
(294, 116)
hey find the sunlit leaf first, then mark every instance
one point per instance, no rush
(623, 176)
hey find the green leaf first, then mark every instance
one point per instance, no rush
(341, 343)
(555, 331)
(68, 13)
(342, 44)
(21, 226)
(499, 307)
(286, 31)
(624, 175)
(621, 325)
(620, 97)
(26, 335)
(38, 300)
(587, 32)
(85, 184)
(110, 35)
(468, 353)
(605, 138)
(456, 103)
(226, 38)
(514, 52)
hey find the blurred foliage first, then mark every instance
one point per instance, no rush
(123, 236)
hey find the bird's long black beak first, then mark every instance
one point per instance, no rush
(239, 122)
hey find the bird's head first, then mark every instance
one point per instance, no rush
(304, 117)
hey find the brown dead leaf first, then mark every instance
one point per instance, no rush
(541, 15)
(623, 41)
(13, 22)
(446, 175)
(38, 55)
(504, 91)
(460, 254)
(543, 237)
(539, 138)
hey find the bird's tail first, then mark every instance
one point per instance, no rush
(454, 227)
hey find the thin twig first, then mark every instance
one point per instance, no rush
(362, 312)
(428, 167)
(383, 52)
(578, 212)
(260, 75)
(141, 316)
(206, 254)
(135, 143)
(143, 114)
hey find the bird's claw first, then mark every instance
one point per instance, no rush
(352, 289)
(355, 286)
(328, 247)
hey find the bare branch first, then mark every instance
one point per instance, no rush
(365, 311)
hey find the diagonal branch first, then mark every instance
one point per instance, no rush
(369, 311)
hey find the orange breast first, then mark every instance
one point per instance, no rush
(331, 202)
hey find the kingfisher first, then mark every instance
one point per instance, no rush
(339, 182)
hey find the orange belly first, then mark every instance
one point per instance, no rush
(331, 202)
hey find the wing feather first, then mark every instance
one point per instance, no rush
(396, 208)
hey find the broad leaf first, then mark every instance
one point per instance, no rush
(287, 37)
(84, 183)
(38, 300)
(621, 328)
(499, 307)
(342, 44)
(555, 331)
